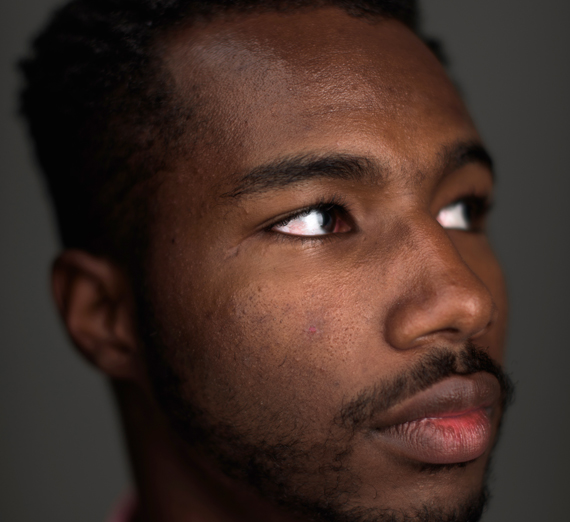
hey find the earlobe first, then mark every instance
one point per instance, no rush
(95, 302)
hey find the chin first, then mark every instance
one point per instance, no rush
(443, 507)
(403, 491)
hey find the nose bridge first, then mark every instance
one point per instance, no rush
(442, 298)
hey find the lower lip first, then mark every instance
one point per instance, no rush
(445, 439)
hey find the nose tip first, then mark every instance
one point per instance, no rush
(448, 303)
(453, 314)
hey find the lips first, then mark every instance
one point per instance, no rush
(449, 423)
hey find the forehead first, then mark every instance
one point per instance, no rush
(319, 81)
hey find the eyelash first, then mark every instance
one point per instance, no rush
(478, 208)
(335, 202)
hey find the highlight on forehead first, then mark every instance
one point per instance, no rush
(239, 77)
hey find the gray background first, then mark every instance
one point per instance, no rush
(61, 457)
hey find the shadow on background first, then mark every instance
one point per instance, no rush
(60, 450)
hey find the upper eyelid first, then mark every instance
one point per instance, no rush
(295, 214)
(334, 202)
(486, 201)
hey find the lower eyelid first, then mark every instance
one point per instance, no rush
(305, 240)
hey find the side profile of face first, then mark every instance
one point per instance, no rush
(329, 315)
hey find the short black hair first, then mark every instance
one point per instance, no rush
(103, 113)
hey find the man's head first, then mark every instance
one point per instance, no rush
(103, 110)
(316, 310)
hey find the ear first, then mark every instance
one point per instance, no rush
(97, 306)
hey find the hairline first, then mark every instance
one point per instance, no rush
(127, 161)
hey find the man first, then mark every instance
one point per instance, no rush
(274, 225)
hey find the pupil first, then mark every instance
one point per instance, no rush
(324, 218)
(466, 213)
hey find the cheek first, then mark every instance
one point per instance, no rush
(270, 352)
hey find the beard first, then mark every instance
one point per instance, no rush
(314, 480)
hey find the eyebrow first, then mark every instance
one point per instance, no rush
(294, 170)
(464, 153)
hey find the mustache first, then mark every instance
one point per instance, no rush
(432, 368)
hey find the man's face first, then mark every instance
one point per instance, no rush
(321, 283)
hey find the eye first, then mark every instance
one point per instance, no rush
(466, 214)
(315, 221)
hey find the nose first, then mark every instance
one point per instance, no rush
(440, 299)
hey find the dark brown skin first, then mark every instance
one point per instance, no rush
(271, 333)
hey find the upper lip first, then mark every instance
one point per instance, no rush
(451, 397)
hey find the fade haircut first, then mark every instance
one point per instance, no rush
(104, 114)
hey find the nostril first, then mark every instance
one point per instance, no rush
(451, 331)
(446, 335)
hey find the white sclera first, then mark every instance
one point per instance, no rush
(311, 224)
(454, 216)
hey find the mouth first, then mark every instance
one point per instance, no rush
(449, 423)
